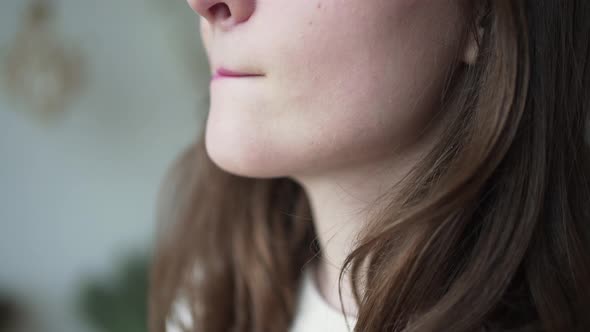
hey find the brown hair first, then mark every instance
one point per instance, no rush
(494, 221)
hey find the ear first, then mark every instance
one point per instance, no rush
(475, 33)
(471, 47)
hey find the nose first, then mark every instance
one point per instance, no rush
(224, 13)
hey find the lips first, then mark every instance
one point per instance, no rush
(228, 73)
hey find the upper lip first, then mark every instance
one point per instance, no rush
(221, 71)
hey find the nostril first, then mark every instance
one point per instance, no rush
(220, 11)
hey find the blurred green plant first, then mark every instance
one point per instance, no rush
(118, 305)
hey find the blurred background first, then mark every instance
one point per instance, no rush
(96, 100)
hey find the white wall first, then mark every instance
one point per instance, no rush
(78, 194)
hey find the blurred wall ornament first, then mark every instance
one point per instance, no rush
(40, 73)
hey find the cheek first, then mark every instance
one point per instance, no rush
(367, 78)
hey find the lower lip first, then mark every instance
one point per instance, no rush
(218, 77)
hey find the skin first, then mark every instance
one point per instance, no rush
(348, 85)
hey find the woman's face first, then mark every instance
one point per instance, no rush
(344, 82)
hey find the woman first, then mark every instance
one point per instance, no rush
(386, 165)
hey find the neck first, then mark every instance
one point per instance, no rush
(341, 203)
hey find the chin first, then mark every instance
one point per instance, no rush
(241, 157)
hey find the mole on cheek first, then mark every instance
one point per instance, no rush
(318, 6)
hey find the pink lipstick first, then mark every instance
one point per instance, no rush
(227, 73)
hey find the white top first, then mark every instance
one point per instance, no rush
(313, 314)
